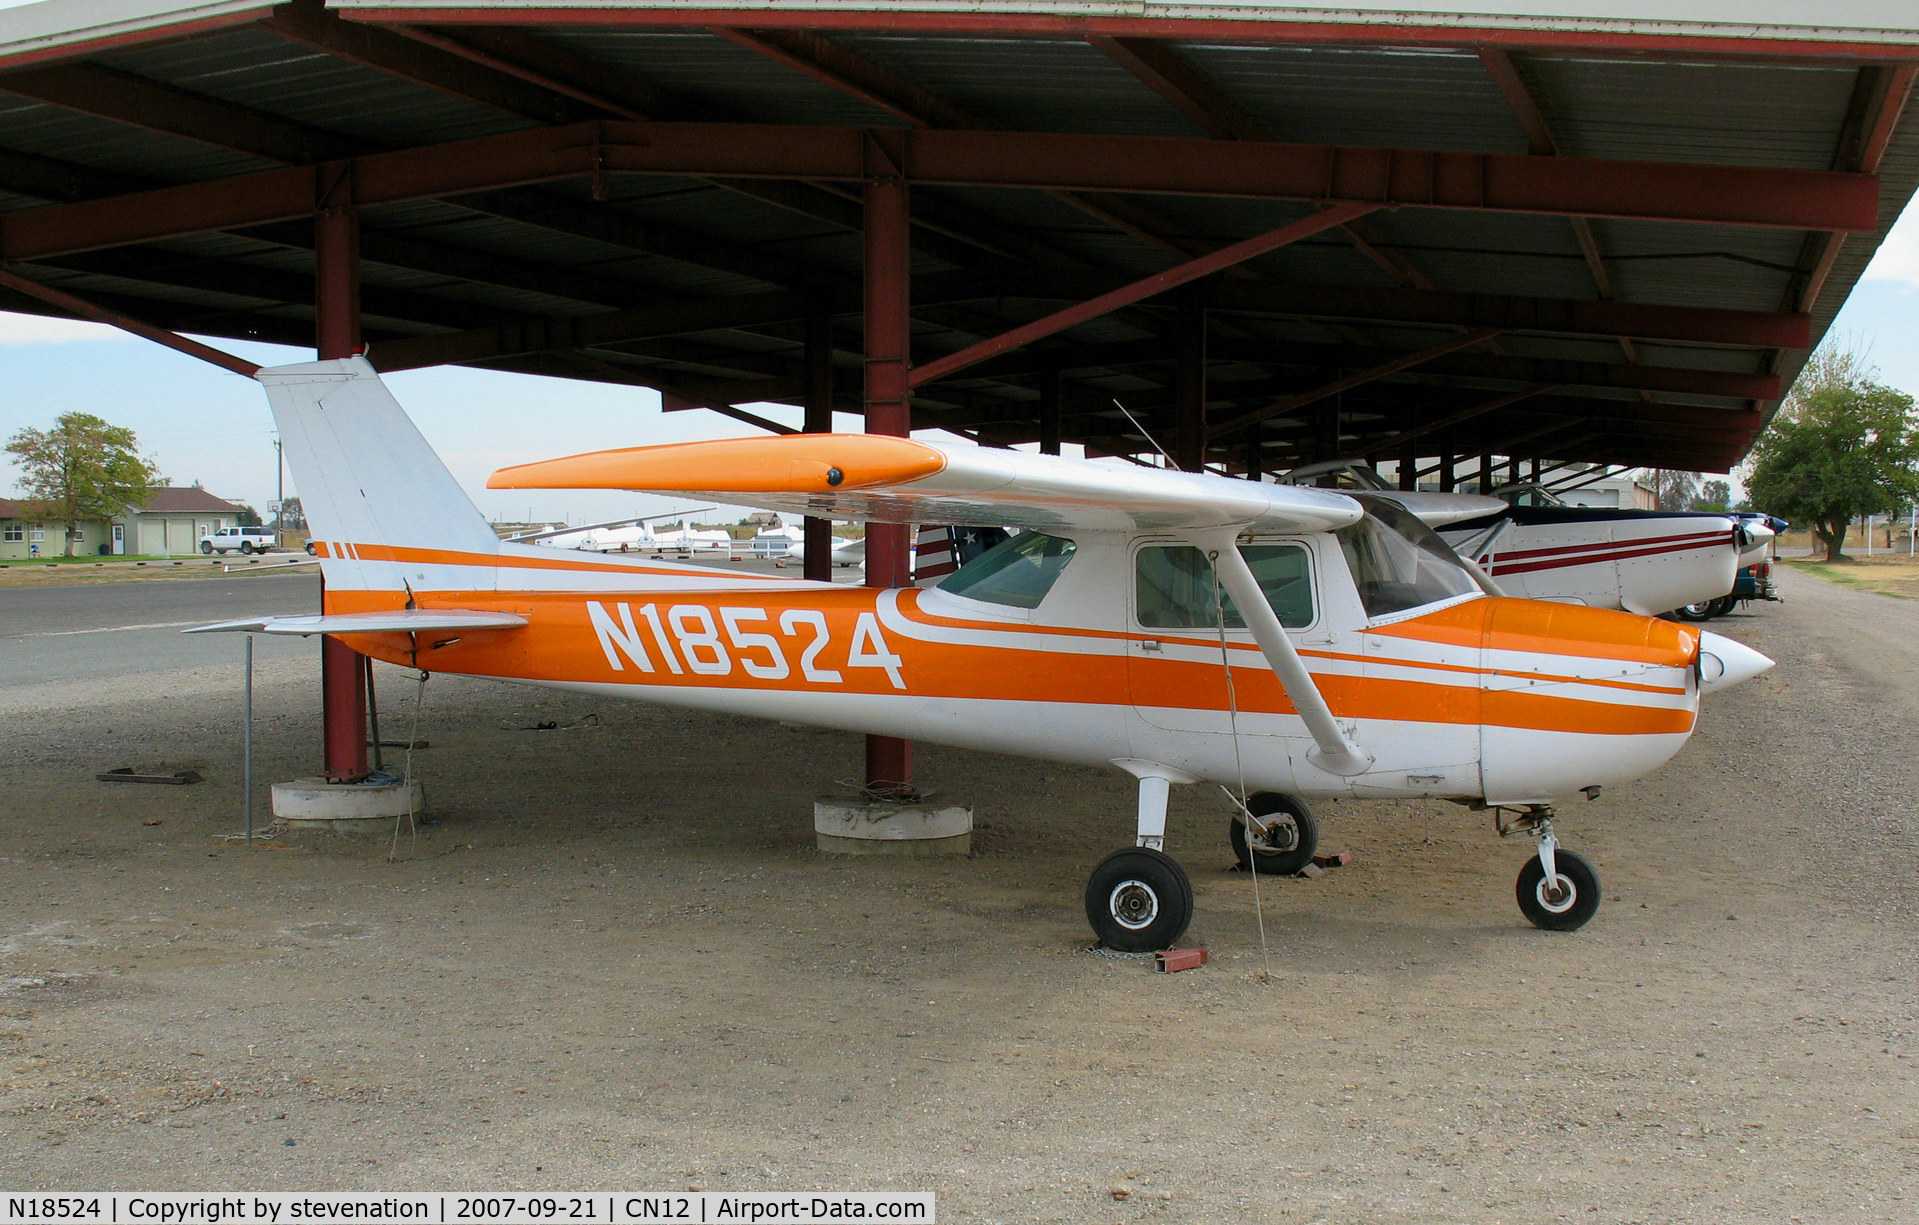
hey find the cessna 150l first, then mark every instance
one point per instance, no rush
(1181, 627)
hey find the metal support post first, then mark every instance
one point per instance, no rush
(1448, 478)
(818, 533)
(1049, 395)
(1408, 466)
(336, 235)
(1189, 390)
(1485, 474)
(888, 323)
(246, 739)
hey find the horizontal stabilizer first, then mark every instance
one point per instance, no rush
(398, 621)
(882, 479)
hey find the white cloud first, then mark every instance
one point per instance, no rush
(40, 330)
(1898, 257)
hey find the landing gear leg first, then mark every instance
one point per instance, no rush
(1558, 890)
(1139, 899)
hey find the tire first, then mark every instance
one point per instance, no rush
(206, 546)
(246, 547)
(1565, 914)
(1705, 610)
(1725, 605)
(1138, 900)
(312, 551)
(1279, 854)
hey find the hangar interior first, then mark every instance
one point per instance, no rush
(1263, 235)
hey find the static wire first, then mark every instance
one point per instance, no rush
(1239, 766)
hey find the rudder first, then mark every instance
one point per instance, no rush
(369, 481)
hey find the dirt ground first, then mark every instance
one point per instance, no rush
(615, 960)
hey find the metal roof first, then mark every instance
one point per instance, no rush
(1619, 289)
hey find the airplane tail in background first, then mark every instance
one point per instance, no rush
(373, 491)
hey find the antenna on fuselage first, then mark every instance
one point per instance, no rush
(1148, 433)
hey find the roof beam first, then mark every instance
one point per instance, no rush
(1126, 295)
(1379, 177)
(1395, 365)
(307, 23)
(819, 57)
(99, 314)
(1167, 73)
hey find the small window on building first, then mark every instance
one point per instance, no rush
(39, 533)
(78, 533)
(15, 533)
(1173, 585)
(1018, 571)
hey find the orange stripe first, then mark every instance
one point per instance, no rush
(560, 645)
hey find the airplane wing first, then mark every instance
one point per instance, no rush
(882, 479)
(1436, 510)
(398, 621)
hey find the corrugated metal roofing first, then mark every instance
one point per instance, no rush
(574, 249)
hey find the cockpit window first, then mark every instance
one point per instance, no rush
(1397, 562)
(1173, 586)
(1527, 495)
(1017, 572)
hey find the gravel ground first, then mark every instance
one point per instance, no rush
(616, 960)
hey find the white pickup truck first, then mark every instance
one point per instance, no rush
(244, 539)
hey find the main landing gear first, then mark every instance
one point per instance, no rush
(1558, 890)
(1139, 900)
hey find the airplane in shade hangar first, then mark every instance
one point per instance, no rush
(1286, 643)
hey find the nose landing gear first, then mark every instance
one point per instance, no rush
(1558, 890)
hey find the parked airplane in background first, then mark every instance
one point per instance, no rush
(614, 536)
(1531, 544)
(1182, 627)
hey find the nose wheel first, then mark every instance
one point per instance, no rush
(1287, 842)
(1139, 900)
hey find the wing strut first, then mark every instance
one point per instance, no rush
(1333, 751)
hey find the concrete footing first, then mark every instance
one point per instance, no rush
(857, 826)
(346, 808)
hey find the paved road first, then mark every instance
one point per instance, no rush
(95, 631)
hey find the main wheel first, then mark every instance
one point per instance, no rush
(1570, 903)
(1705, 610)
(246, 546)
(206, 546)
(1139, 900)
(1288, 843)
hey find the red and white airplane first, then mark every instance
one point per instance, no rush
(1531, 544)
(1284, 642)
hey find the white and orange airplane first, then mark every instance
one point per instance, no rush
(1286, 643)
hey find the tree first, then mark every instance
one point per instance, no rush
(245, 515)
(1675, 490)
(291, 518)
(82, 469)
(1714, 495)
(1843, 445)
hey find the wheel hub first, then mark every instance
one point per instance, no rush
(1556, 895)
(1133, 904)
(1280, 835)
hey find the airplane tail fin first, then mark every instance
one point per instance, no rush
(378, 502)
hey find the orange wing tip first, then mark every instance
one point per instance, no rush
(791, 463)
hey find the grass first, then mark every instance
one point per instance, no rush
(1896, 575)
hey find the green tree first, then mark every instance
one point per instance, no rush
(1675, 490)
(245, 515)
(1843, 445)
(82, 469)
(1714, 495)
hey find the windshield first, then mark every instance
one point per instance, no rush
(1527, 495)
(1017, 572)
(1397, 561)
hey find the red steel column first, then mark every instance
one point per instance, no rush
(336, 248)
(818, 533)
(888, 361)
